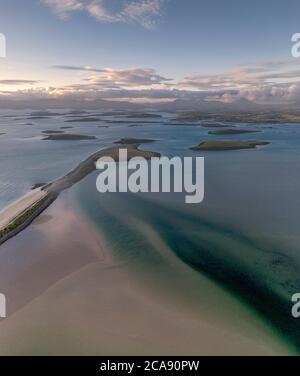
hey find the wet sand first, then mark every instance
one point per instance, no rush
(68, 294)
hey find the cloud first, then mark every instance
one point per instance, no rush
(119, 77)
(131, 77)
(263, 83)
(63, 8)
(140, 12)
(270, 65)
(76, 68)
(244, 78)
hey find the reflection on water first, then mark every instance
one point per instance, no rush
(244, 235)
(174, 258)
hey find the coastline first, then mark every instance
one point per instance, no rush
(20, 214)
(8, 214)
(67, 181)
(16, 218)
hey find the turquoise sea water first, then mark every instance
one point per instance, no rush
(244, 235)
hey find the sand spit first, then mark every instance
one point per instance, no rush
(20, 214)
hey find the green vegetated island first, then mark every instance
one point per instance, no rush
(139, 115)
(232, 131)
(264, 117)
(61, 136)
(134, 141)
(27, 210)
(52, 132)
(83, 120)
(228, 145)
(38, 117)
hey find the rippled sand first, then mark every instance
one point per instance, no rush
(68, 295)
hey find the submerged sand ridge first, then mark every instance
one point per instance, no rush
(89, 302)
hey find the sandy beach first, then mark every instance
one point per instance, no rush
(20, 214)
(10, 213)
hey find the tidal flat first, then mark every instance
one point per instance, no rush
(147, 305)
(191, 278)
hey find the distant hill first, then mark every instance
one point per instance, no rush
(178, 105)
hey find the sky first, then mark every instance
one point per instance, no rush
(150, 50)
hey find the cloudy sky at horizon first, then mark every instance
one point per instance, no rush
(150, 50)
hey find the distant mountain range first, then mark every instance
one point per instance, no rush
(191, 104)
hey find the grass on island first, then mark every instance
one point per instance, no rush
(52, 132)
(248, 117)
(38, 118)
(133, 141)
(232, 131)
(83, 120)
(143, 116)
(228, 145)
(45, 113)
(68, 137)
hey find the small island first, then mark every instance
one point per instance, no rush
(76, 112)
(68, 137)
(38, 117)
(45, 113)
(232, 131)
(228, 145)
(144, 116)
(83, 120)
(248, 117)
(135, 125)
(133, 141)
(52, 132)
(23, 212)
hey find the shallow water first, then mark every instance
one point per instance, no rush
(244, 236)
